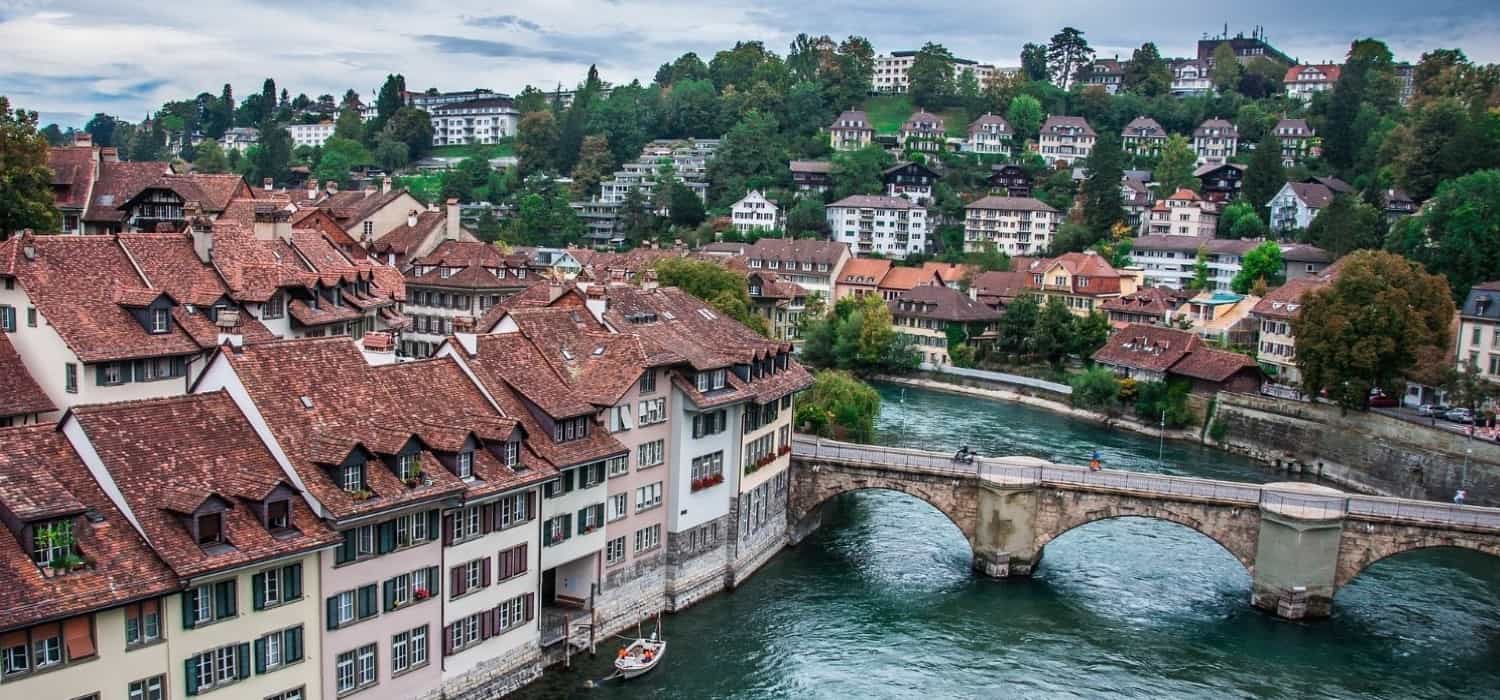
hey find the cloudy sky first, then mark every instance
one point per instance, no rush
(71, 58)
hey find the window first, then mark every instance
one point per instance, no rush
(557, 529)
(512, 562)
(653, 411)
(465, 632)
(618, 506)
(8, 318)
(466, 464)
(293, 694)
(159, 320)
(618, 465)
(274, 307)
(142, 623)
(711, 380)
(278, 649)
(365, 664)
(70, 378)
(651, 454)
(648, 385)
(353, 477)
(466, 523)
(352, 606)
(409, 650)
(710, 423)
(369, 228)
(152, 688)
(52, 541)
(474, 573)
(590, 518)
(273, 587)
(278, 514)
(510, 453)
(590, 475)
(218, 667)
(570, 429)
(31, 317)
(648, 496)
(647, 538)
(208, 603)
(614, 550)
(355, 669)
(708, 470)
(513, 510)
(210, 528)
(512, 613)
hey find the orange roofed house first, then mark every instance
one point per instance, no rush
(1156, 353)
(1084, 281)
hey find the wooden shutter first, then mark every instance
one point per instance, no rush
(365, 603)
(530, 505)
(260, 655)
(387, 532)
(484, 575)
(189, 608)
(448, 530)
(528, 604)
(390, 594)
(487, 624)
(433, 523)
(291, 582)
(257, 591)
(78, 636)
(224, 603)
(434, 581)
(567, 525)
(291, 645)
(333, 613)
(448, 640)
(346, 551)
(190, 674)
(486, 518)
(525, 560)
(242, 661)
(459, 584)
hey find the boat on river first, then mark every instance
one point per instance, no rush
(640, 656)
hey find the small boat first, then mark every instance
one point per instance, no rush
(640, 656)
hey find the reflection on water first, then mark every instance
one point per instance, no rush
(880, 603)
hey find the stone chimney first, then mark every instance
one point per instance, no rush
(267, 184)
(451, 228)
(109, 154)
(332, 187)
(385, 185)
(83, 138)
(463, 324)
(201, 229)
(411, 219)
(312, 187)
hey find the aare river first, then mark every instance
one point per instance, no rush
(881, 603)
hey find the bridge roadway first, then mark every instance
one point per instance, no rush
(1300, 541)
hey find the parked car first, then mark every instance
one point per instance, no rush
(1433, 409)
(1460, 415)
(1381, 400)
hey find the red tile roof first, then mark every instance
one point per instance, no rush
(117, 182)
(865, 271)
(942, 304)
(72, 174)
(1150, 348)
(199, 447)
(19, 393)
(37, 461)
(903, 278)
(1212, 365)
(470, 265)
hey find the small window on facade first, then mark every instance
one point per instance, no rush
(354, 477)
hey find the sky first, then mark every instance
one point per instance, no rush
(71, 58)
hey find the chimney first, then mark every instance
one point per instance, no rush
(432, 206)
(332, 187)
(202, 231)
(312, 187)
(411, 219)
(385, 185)
(451, 227)
(268, 184)
(109, 154)
(83, 138)
(463, 324)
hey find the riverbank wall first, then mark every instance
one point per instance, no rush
(1364, 452)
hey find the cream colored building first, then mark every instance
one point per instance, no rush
(1014, 225)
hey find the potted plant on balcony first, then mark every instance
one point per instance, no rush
(414, 480)
(420, 593)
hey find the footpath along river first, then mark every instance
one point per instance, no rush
(880, 603)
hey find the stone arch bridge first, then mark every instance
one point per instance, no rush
(1300, 542)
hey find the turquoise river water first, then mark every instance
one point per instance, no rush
(881, 603)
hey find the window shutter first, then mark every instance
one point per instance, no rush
(525, 560)
(242, 660)
(448, 640)
(387, 536)
(599, 513)
(260, 655)
(457, 574)
(433, 522)
(257, 590)
(291, 582)
(494, 518)
(530, 505)
(138, 370)
(567, 525)
(179, 366)
(486, 518)
(346, 552)
(583, 515)
(367, 601)
(390, 595)
(189, 607)
(291, 644)
(487, 624)
(99, 374)
(568, 480)
(223, 599)
(435, 580)
(528, 604)
(485, 573)
(190, 675)
(333, 613)
(448, 530)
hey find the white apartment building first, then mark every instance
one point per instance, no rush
(481, 121)
(310, 134)
(1143, 135)
(891, 226)
(1065, 140)
(1302, 82)
(1014, 225)
(891, 71)
(1215, 141)
(755, 213)
(989, 134)
(851, 131)
(689, 159)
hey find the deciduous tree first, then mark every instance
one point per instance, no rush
(1147, 74)
(1261, 264)
(1067, 53)
(26, 200)
(1265, 175)
(536, 142)
(1457, 235)
(1347, 224)
(594, 164)
(1174, 170)
(839, 406)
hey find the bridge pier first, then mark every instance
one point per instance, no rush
(1005, 534)
(1296, 556)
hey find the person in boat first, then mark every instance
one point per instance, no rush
(623, 653)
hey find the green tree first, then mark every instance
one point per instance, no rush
(1088, 334)
(148, 144)
(685, 208)
(1367, 75)
(1261, 264)
(54, 135)
(859, 172)
(1096, 389)
(1018, 322)
(26, 200)
(272, 156)
(1103, 205)
(1264, 176)
(1164, 403)
(1067, 54)
(1025, 117)
(570, 133)
(1200, 279)
(931, 77)
(751, 156)
(339, 157)
(1370, 326)
(209, 158)
(1347, 224)
(412, 127)
(349, 125)
(839, 406)
(594, 164)
(807, 219)
(392, 97)
(101, 129)
(1051, 337)
(536, 142)
(721, 287)
(1174, 169)
(529, 100)
(488, 228)
(1147, 74)
(1240, 220)
(1034, 62)
(392, 155)
(1457, 234)
(627, 118)
(638, 222)
(1226, 70)
(692, 109)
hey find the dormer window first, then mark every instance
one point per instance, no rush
(407, 466)
(279, 514)
(210, 528)
(160, 320)
(352, 477)
(52, 542)
(466, 464)
(510, 453)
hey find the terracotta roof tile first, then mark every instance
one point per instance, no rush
(1150, 348)
(19, 393)
(868, 271)
(118, 181)
(72, 174)
(943, 304)
(904, 278)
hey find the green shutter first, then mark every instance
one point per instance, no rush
(260, 655)
(390, 595)
(567, 525)
(242, 660)
(568, 480)
(346, 551)
(366, 602)
(258, 591)
(333, 613)
(190, 675)
(387, 531)
(224, 599)
(434, 524)
(99, 374)
(189, 608)
(291, 642)
(293, 582)
(434, 581)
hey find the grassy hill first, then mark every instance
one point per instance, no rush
(487, 151)
(888, 112)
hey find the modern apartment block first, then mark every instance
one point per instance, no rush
(892, 71)
(888, 225)
(1014, 225)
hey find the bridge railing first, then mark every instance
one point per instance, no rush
(1425, 511)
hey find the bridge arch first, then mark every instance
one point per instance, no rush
(1365, 543)
(813, 486)
(1235, 530)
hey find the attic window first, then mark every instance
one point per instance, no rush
(352, 478)
(668, 315)
(707, 314)
(160, 320)
(465, 464)
(279, 514)
(52, 542)
(598, 350)
(567, 354)
(210, 528)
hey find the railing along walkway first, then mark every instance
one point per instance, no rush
(1029, 470)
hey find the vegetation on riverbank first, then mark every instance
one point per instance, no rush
(839, 406)
(1162, 403)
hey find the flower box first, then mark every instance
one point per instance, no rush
(421, 594)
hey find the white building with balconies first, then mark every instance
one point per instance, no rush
(891, 226)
